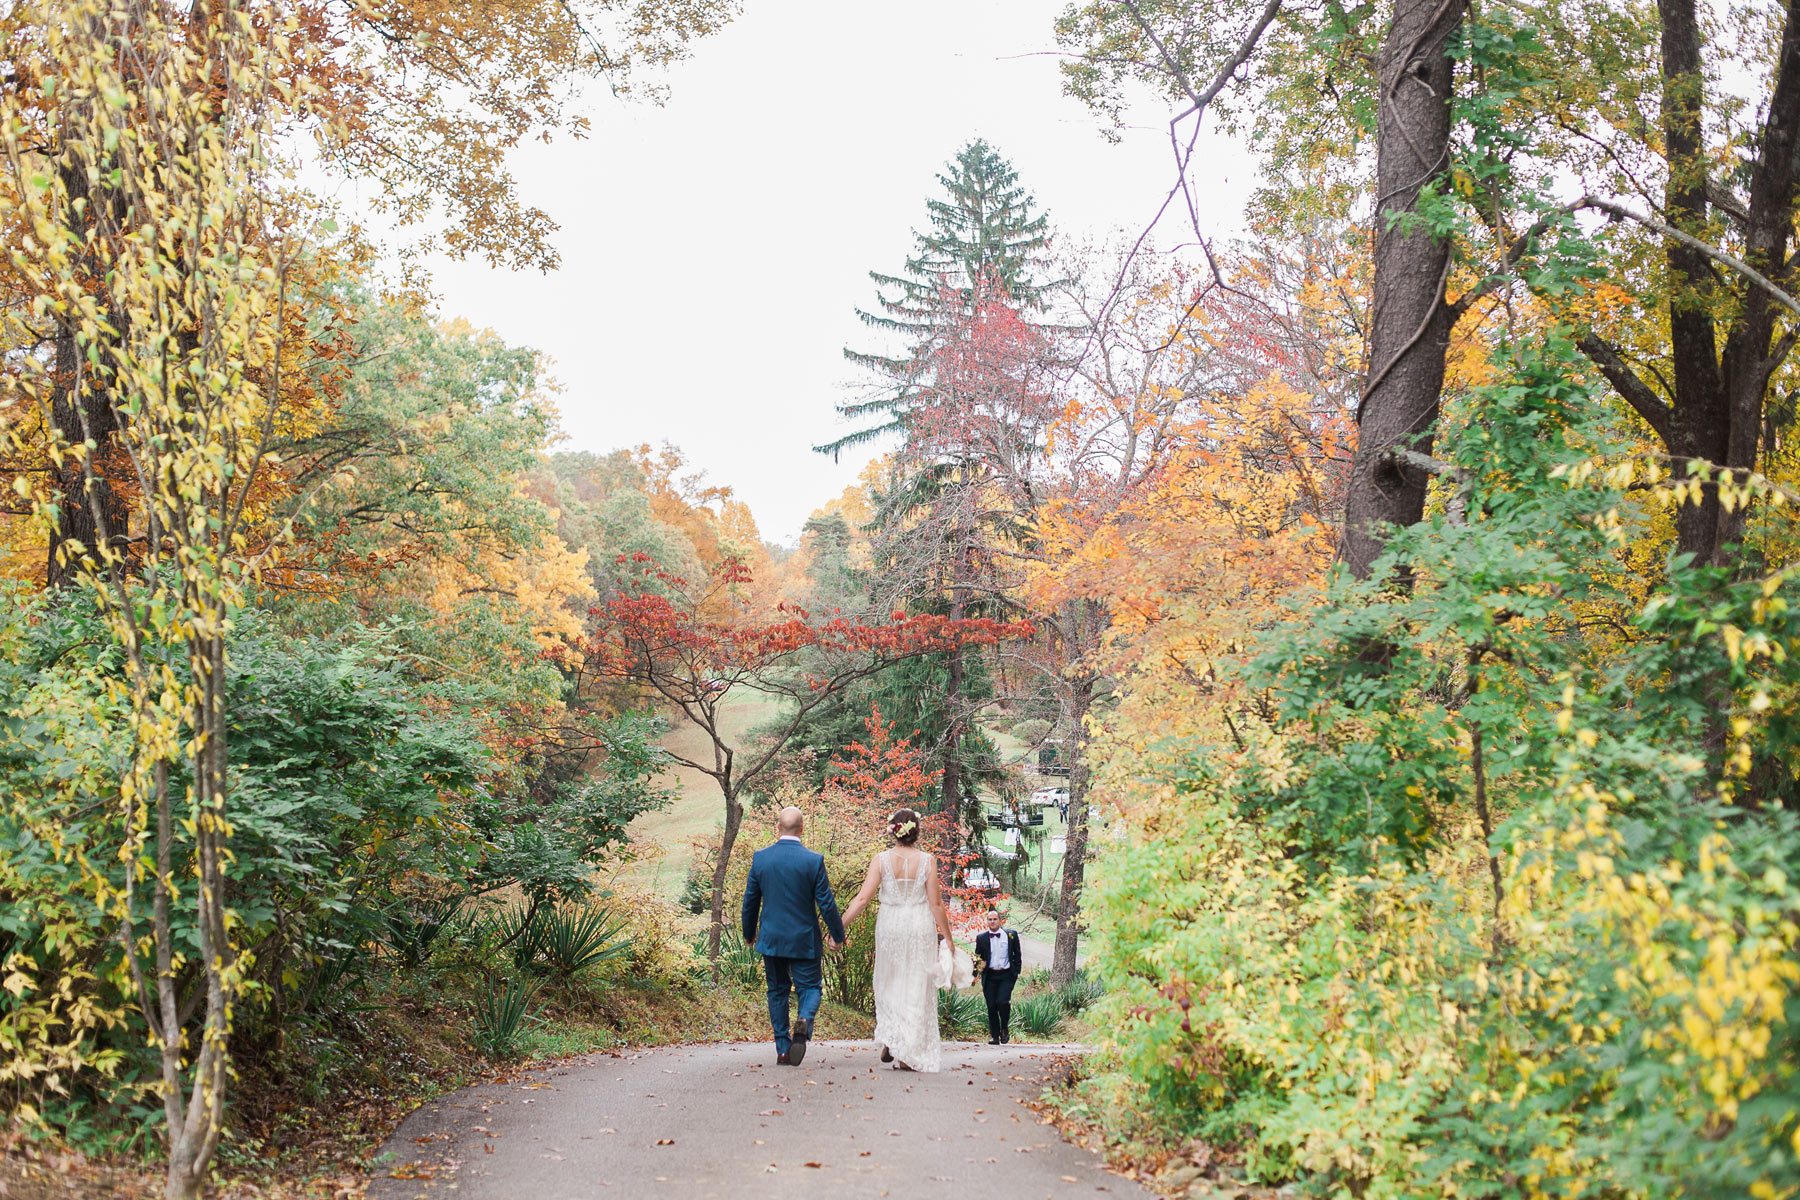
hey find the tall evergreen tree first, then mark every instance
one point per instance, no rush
(984, 235)
(985, 244)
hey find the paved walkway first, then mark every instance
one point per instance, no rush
(1035, 954)
(725, 1121)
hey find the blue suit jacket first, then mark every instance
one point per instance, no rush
(787, 881)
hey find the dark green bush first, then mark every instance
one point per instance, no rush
(502, 1014)
(575, 937)
(961, 1015)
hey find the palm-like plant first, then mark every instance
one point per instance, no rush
(1041, 1016)
(501, 1014)
(961, 1014)
(575, 937)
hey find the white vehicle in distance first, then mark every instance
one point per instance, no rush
(981, 879)
(1048, 796)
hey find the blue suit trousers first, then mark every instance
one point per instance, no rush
(797, 974)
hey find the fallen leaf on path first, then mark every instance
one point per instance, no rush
(810, 1164)
(1070, 1179)
(665, 1141)
(769, 1112)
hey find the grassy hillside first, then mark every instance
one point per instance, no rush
(699, 809)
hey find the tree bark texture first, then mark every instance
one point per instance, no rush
(1410, 323)
(734, 821)
(1063, 958)
(1713, 406)
(953, 696)
(91, 510)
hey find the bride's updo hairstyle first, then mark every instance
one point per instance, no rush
(904, 825)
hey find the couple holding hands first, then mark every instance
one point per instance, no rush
(915, 953)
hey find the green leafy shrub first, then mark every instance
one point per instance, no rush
(740, 966)
(1497, 891)
(411, 929)
(961, 1015)
(1081, 993)
(575, 937)
(1041, 1016)
(519, 931)
(502, 1014)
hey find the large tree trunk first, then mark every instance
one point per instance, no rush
(1063, 958)
(960, 567)
(1713, 405)
(1410, 324)
(1700, 427)
(1748, 363)
(90, 510)
(953, 710)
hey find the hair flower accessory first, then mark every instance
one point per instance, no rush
(902, 828)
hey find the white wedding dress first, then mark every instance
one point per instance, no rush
(907, 965)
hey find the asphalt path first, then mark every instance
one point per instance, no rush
(1035, 954)
(726, 1121)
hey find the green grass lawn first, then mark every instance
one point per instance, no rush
(698, 809)
(1011, 749)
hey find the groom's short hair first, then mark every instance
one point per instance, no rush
(789, 821)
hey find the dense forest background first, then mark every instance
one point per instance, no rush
(1403, 595)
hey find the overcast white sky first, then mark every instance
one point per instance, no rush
(713, 249)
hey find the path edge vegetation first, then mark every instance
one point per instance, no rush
(1415, 586)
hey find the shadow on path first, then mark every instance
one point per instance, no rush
(725, 1121)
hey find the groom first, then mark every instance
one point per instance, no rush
(789, 880)
(998, 950)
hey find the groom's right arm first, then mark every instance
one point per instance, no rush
(752, 905)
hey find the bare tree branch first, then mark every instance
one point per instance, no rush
(1656, 411)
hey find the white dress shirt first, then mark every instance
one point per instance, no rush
(999, 957)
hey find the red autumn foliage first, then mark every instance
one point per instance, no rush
(693, 646)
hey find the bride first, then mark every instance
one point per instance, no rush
(908, 928)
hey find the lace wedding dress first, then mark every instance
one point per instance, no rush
(906, 963)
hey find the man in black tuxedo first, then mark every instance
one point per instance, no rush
(787, 884)
(998, 950)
